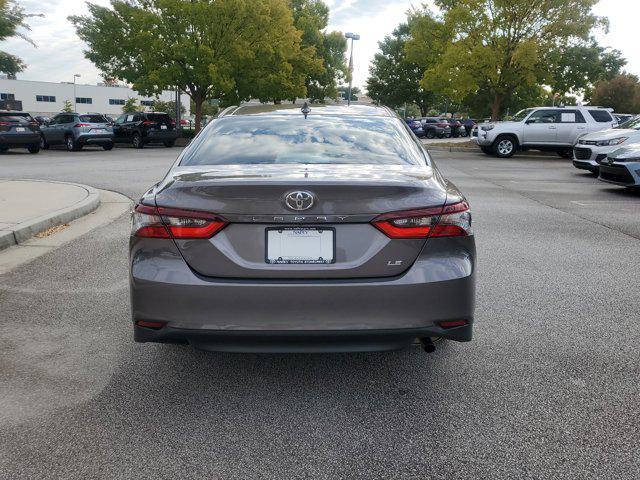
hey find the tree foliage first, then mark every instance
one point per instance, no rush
(622, 93)
(498, 46)
(227, 49)
(130, 106)
(394, 79)
(68, 106)
(326, 49)
(168, 107)
(12, 19)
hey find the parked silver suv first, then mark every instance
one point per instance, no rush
(77, 130)
(542, 128)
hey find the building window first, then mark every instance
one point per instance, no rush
(7, 96)
(116, 101)
(84, 100)
(147, 103)
(45, 98)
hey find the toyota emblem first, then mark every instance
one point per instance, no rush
(299, 200)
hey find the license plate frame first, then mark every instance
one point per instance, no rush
(319, 261)
(21, 129)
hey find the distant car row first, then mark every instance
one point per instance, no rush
(438, 127)
(74, 131)
(592, 136)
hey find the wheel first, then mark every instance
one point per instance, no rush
(3, 149)
(34, 148)
(566, 153)
(108, 146)
(71, 143)
(487, 150)
(463, 133)
(43, 143)
(447, 135)
(504, 146)
(170, 144)
(137, 141)
(430, 134)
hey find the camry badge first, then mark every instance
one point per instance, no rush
(299, 200)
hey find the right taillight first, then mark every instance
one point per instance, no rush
(451, 221)
(152, 222)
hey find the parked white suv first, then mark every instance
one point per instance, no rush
(594, 147)
(542, 128)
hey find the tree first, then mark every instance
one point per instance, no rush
(209, 108)
(343, 91)
(394, 79)
(168, 107)
(227, 49)
(130, 106)
(577, 68)
(12, 18)
(621, 93)
(326, 65)
(502, 45)
(68, 106)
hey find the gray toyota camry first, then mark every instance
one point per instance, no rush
(288, 229)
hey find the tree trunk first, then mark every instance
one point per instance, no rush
(495, 107)
(197, 102)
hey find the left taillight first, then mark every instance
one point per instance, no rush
(152, 222)
(451, 221)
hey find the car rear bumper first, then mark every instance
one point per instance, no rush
(19, 140)
(95, 139)
(161, 136)
(303, 315)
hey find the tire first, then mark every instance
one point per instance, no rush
(108, 146)
(463, 133)
(430, 134)
(487, 150)
(505, 146)
(34, 148)
(3, 149)
(169, 144)
(43, 143)
(71, 144)
(136, 141)
(565, 153)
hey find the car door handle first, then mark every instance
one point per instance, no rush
(582, 128)
(552, 127)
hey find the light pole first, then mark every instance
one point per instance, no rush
(75, 99)
(352, 36)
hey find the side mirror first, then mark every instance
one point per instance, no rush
(529, 122)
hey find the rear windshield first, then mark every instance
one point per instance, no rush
(319, 139)
(15, 118)
(93, 119)
(601, 116)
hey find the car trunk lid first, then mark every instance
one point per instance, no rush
(346, 198)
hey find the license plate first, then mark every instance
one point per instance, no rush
(163, 127)
(292, 245)
(99, 130)
(21, 129)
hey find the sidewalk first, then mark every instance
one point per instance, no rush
(28, 207)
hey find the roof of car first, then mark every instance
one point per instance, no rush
(359, 110)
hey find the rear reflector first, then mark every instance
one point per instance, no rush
(453, 323)
(148, 324)
(449, 221)
(78, 125)
(152, 222)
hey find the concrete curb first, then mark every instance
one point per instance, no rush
(26, 230)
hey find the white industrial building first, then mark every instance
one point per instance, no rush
(47, 98)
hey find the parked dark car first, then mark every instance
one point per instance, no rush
(142, 128)
(436, 127)
(19, 130)
(456, 127)
(42, 120)
(76, 131)
(416, 127)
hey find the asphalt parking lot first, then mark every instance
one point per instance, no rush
(547, 389)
